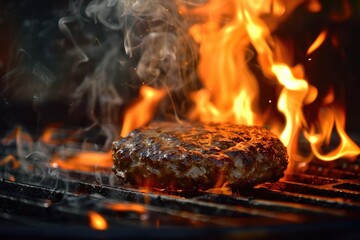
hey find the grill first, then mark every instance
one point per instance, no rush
(319, 200)
(322, 200)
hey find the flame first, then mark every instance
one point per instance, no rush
(97, 221)
(317, 43)
(142, 110)
(231, 92)
(330, 115)
(10, 159)
(314, 6)
(229, 34)
(84, 161)
(229, 89)
(128, 207)
(290, 102)
(47, 135)
(22, 140)
(137, 114)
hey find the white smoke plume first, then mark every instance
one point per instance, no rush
(147, 38)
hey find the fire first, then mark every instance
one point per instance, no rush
(229, 33)
(223, 70)
(10, 159)
(231, 91)
(65, 158)
(290, 102)
(97, 221)
(84, 161)
(128, 207)
(314, 6)
(317, 43)
(330, 115)
(142, 110)
(21, 139)
(47, 136)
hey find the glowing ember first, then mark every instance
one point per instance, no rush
(128, 207)
(97, 221)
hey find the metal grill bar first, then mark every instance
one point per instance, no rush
(65, 198)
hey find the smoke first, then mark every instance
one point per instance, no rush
(80, 65)
(154, 34)
(63, 27)
(82, 62)
(32, 159)
(147, 37)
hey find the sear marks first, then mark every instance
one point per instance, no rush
(199, 156)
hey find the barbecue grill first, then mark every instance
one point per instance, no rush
(318, 199)
(322, 200)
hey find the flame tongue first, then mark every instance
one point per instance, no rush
(142, 110)
(329, 116)
(230, 92)
(290, 102)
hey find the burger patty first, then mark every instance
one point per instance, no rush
(199, 156)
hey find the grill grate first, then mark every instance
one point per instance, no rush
(322, 194)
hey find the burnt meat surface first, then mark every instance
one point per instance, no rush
(199, 156)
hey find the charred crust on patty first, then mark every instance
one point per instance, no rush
(199, 156)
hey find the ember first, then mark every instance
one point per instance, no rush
(97, 221)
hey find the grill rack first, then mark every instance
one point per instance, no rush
(321, 197)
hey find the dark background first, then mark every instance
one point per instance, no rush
(40, 68)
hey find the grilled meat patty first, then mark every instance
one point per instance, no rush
(199, 156)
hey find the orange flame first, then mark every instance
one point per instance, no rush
(10, 159)
(314, 6)
(97, 221)
(290, 102)
(142, 110)
(139, 113)
(223, 70)
(127, 207)
(230, 92)
(317, 43)
(47, 136)
(84, 161)
(22, 139)
(329, 116)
